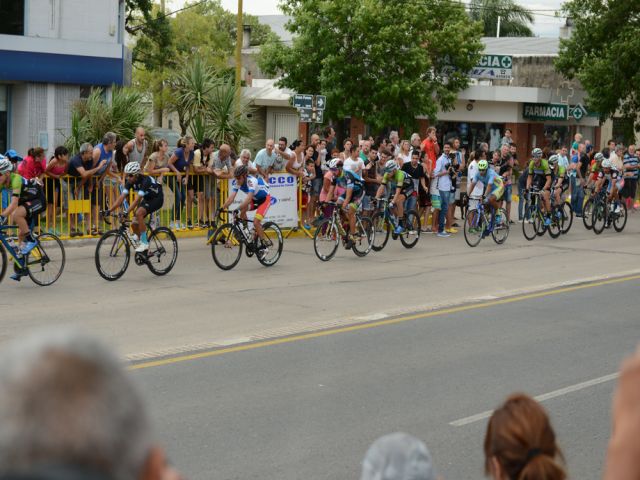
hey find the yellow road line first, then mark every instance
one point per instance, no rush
(380, 323)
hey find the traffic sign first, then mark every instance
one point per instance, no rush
(311, 115)
(302, 100)
(321, 102)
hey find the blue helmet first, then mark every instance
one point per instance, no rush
(13, 155)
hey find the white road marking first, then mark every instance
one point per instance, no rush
(541, 398)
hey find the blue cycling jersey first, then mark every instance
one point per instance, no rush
(354, 182)
(490, 177)
(254, 185)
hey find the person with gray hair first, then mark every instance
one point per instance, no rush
(68, 410)
(398, 456)
(245, 159)
(104, 151)
(81, 170)
(395, 143)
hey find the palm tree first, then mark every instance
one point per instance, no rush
(515, 20)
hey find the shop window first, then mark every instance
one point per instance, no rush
(471, 135)
(12, 14)
(556, 136)
(623, 131)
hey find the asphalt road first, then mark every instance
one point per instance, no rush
(310, 407)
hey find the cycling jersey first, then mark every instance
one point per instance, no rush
(614, 177)
(539, 172)
(146, 187)
(254, 185)
(399, 179)
(354, 182)
(22, 188)
(490, 177)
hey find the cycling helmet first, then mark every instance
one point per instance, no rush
(132, 168)
(5, 165)
(335, 164)
(606, 163)
(13, 155)
(483, 165)
(553, 159)
(390, 166)
(599, 157)
(536, 153)
(240, 171)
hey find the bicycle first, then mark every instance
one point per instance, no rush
(564, 212)
(44, 264)
(603, 216)
(113, 251)
(478, 225)
(385, 223)
(587, 209)
(534, 219)
(229, 238)
(331, 230)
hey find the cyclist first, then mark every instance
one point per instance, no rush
(27, 202)
(594, 169)
(400, 186)
(614, 180)
(540, 177)
(258, 199)
(350, 200)
(559, 180)
(148, 200)
(494, 186)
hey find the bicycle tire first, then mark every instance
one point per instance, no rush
(364, 232)
(45, 255)
(3, 259)
(224, 239)
(555, 227)
(381, 231)
(158, 250)
(474, 238)
(623, 214)
(500, 231)
(409, 238)
(119, 247)
(567, 217)
(274, 234)
(587, 214)
(529, 228)
(326, 234)
(599, 217)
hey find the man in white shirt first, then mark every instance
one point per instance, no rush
(476, 195)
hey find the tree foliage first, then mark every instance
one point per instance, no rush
(602, 54)
(382, 60)
(515, 20)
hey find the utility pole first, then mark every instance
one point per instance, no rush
(239, 53)
(498, 32)
(158, 109)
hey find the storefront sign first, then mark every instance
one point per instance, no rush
(545, 111)
(493, 66)
(578, 112)
(283, 188)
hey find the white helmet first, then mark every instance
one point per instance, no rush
(390, 166)
(606, 163)
(553, 159)
(599, 157)
(336, 163)
(5, 165)
(536, 153)
(132, 168)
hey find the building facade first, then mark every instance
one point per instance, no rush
(52, 52)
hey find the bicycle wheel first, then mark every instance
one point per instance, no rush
(381, 231)
(409, 238)
(567, 217)
(45, 262)
(3, 262)
(326, 240)
(587, 214)
(226, 246)
(273, 245)
(163, 251)
(501, 228)
(555, 227)
(112, 255)
(619, 219)
(599, 217)
(472, 228)
(529, 228)
(364, 236)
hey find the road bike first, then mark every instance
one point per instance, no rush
(113, 251)
(604, 215)
(334, 229)
(385, 222)
(478, 225)
(564, 212)
(533, 223)
(228, 240)
(44, 264)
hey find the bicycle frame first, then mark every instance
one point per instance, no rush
(18, 260)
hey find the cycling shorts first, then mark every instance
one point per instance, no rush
(619, 183)
(355, 200)
(261, 208)
(497, 193)
(153, 204)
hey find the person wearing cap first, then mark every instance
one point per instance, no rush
(398, 456)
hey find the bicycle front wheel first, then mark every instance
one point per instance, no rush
(112, 255)
(272, 245)
(381, 231)
(3, 262)
(619, 219)
(555, 227)
(587, 214)
(45, 262)
(501, 228)
(599, 217)
(409, 238)
(529, 223)
(326, 240)
(567, 217)
(163, 251)
(473, 228)
(226, 246)
(364, 237)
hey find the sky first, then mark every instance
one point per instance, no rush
(544, 26)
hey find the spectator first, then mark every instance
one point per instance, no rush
(405, 152)
(56, 168)
(222, 167)
(394, 147)
(353, 162)
(522, 186)
(34, 164)
(458, 164)
(265, 159)
(630, 162)
(199, 182)
(179, 164)
(415, 141)
(329, 135)
(520, 443)
(68, 410)
(430, 146)
(577, 140)
(307, 179)
(346, 145)
(577, 175)
(484, 146)
(416, 170)
(494, 162)
(398, 456)
(136, 149)
(158, 161)
(364, 151)
(81, 184)
(372, 178)
(442, 179)
(245, 159)
(284, 154)
(507, 139)
(105, 151)
(475, 196)
(295, 164)
(506, 172)
(513, 151)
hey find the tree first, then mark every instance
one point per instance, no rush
(515, 20)
(381, 60)
(602, 54)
